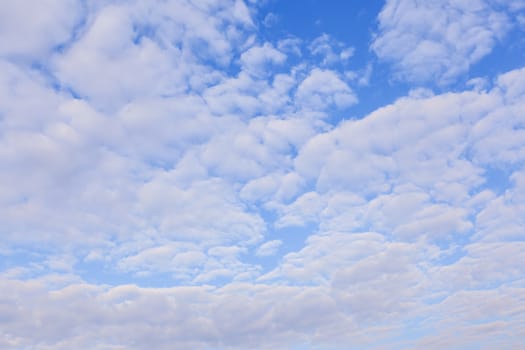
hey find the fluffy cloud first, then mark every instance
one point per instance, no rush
(157, 148)
(143, 49)
(331, 51)
(258, 60)
(438, 40)
(29, 31)
(324, 88)
(186, 316)
(269, 248)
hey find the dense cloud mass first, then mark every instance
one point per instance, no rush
(174, 179)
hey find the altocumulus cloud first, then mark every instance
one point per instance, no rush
(177, 175)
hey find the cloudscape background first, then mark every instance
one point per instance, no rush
(228, 174)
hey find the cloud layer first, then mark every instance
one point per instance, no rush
(173, 180)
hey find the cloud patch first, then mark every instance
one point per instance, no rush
(439, 40)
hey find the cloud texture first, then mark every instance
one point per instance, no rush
(173, 180)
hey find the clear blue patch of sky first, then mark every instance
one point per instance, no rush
(497, 179)
(351, 22)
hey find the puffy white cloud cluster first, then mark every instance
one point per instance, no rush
(164, 140)
(133, 135)
(31, 30)
(440, 40)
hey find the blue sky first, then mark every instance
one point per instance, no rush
(270, 174)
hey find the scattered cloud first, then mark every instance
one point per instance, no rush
(330, 50)
(269, 248)
(440, 40)
(324, 88)
(176, 176)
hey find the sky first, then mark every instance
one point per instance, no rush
(229, 174)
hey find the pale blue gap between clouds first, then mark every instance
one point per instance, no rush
(291, 174)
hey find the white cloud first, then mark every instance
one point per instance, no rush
(303, 210)
(322, 89)
(500, 218)
(215, 216)
(439, 40)
(512, 84)
(259, 59)
(483, 265)
(477, 318)
(269, 248)
(330, 50)
(170, 168)
(196, 317)
(478, 84)
(260, 189)
(30, 30)
(318, 261)
(290, 45)
(144, 49)
(271, 19)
